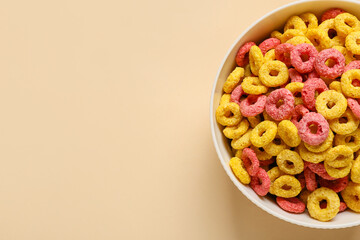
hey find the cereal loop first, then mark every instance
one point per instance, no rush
(228, 114)
(331, 72)
(347, 83)
(260, 183)
(236, 131)
(306, 132)
(238, 169)
(346, 23)
(351, 42)
(290, 162)
(338, 172)
(242, 142)
(298, 53)
(331, 104)
(339, 156)
(295, 22)
(289, 133)
(310, 20)
(263, 133)
(242, 57)
(351, 140)
(332, 206)
(236, 95)
(346, 124)
(292, 205)
(252, 85)
(351, 196)
(233, 79)
(273, 73)
(268, 44)
(286, 186)
(282, 53)
(285, 110)
(253, 105)
(311, 157)
(256, 59)
(251, 162)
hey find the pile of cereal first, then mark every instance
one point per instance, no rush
(292, 110)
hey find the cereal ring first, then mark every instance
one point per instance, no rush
(301, 51)
(225, 98)
(260, 183)
(228, 114)
(351, 140)
(275, 146)
(346, 23)
(251, 162)
(270, 55)
(242, 142)
(292, 205)
(336, 185)
(339, 156)
(331, 104)
(291, 33)
(338, 172)
(351, 196)
(323, 146)
(355, 171)
(256, 59)
(347, 83)
(290, 162)
(236, 131)
(335, 85)
(254, 121)
(282, 53)
(331, 13)
(252, 85)
(304, 195)
(320, 170)
(286, 186)
(310, 180)
(253, 105)
(239, 171)
(273, 73)
(331, 34)
(308, 93)
(285, 110)
(263, 133)
(332, 207)
(233, 79)
(311, 157)
(236, 94)
(299, 112)
(310, 20)
(306, 131)
(319, 38)
(295, 75)
(346, 124)
(268, 44)
(349, 57)
(295, 88)
(295, 22)
(289, 133)
(351, 42)
(242, 57)
(276, 34)
(331, 72)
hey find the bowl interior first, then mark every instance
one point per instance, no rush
(257, 32)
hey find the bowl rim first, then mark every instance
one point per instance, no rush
(216, 144)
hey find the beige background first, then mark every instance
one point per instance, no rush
(104, 122)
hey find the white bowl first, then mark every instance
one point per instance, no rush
(258, 31)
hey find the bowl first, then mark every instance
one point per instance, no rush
(257, 32)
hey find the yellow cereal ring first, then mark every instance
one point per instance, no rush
(338, 172)
(242, 142)
(332, 206)
(225, 98)
(347, 87)
(256, 59)
(355, 171)
(323, 146)
(303, 196)
(274, 173)
(295, 88)
(346, 124)
(331, 104)
(286, 186)
(352, 140)
(312, 157)
(273, 73)
(351, 196)
(329, 26)
(349, 57)
(269, 55)
(310, 20)
(275, 146)
(351, 42)
(236, 131)
(253, 86)
(339, 156)
(237, 166)
(299, 40)
(290, 162)
(254, 120)
(228, 114)
(295, 22)
(276, 34)
(335, 85)
(289, 34)
(261, 154)
(288, 132)
(345, 23)
(263, 133)
(233, 79)
(247, 71)
(319, 38)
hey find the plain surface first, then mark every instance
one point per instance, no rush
(105, 123)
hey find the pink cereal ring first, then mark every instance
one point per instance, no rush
(242, 56)
(352, 65)
(336, 185)
(268, 44)
(300, 111)
(285, 110)
(330, 72)
(293, 205)
(251, 162)
(310, 180)
(331, 13)
(253, 105)
(282, 53)
(318, 121)
(297, 54)
(343, 206)
(236, 94)
(295, 75)
(320, 170)
(354, 105)
(260, 183)
(311, 86)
